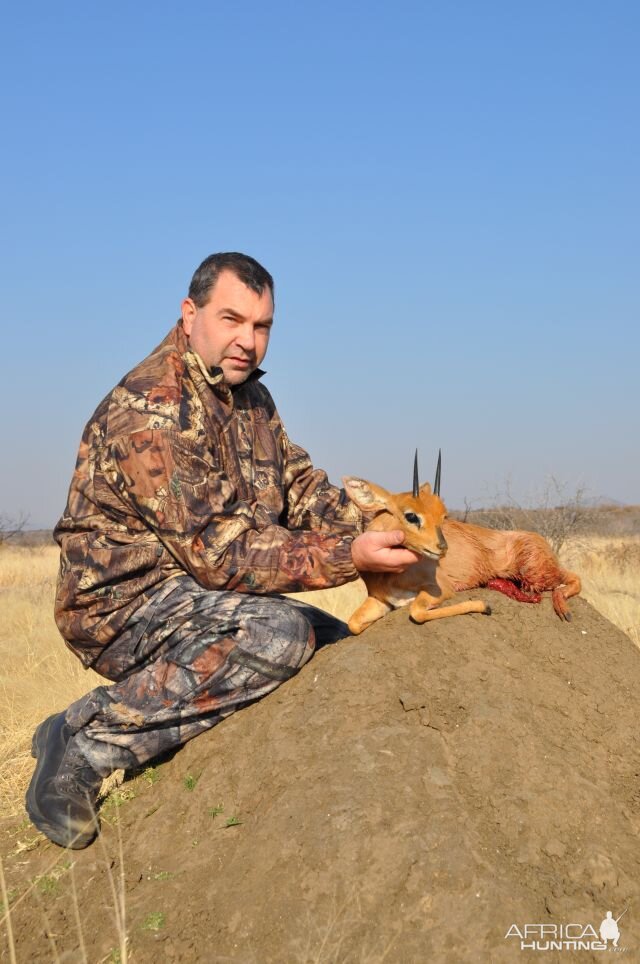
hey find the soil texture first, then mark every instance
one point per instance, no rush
(408, 797)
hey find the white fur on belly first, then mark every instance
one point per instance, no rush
(400, 597)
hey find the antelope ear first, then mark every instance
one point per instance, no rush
(366, 495)
(425, 489)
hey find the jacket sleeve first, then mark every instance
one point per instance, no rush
(172, 485)
(312, 501)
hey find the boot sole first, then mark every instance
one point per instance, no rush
(57, 834)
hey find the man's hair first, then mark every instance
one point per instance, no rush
(247, 269)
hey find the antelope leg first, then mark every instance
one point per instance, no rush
(369, 612)
(423, 608)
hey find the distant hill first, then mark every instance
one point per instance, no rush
(31, 538)
(603, 501)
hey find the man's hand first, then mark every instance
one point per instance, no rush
(380, 552)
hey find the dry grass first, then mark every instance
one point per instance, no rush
(340, 602)
(610, 572)
(40, 676)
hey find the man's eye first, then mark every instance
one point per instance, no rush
(412, 518)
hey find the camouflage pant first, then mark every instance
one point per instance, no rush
(187, 660)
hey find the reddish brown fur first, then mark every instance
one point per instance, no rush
(475, 557)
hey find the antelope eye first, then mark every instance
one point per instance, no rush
(412, 518)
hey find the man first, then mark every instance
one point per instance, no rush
(188, 512)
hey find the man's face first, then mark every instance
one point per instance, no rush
(232, 330)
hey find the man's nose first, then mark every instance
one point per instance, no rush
(246, 338)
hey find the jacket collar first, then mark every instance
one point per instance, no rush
(213, 376)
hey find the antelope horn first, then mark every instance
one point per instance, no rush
(416, 483)
(436, 484)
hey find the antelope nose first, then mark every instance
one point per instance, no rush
(442, 542)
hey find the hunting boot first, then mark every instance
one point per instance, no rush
(61, 799)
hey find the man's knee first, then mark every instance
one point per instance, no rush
(293, 623)
(298, 628)
(278, 639)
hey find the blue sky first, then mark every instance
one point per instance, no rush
(446, 193)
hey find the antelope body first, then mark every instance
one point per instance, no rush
(455, 556)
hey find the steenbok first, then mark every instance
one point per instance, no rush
(455, 556)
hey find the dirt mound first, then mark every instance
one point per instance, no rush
(410, 796)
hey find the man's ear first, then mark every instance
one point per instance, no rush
(366, 495)
(189, 312)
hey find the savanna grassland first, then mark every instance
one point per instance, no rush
(40, 676)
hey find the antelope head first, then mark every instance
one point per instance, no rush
(419, 513)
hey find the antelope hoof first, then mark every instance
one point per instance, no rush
(418, 618)
(487, 610)
(567, 616)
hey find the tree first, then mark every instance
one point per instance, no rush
(11, 526)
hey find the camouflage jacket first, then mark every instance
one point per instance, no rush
(177, 472)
